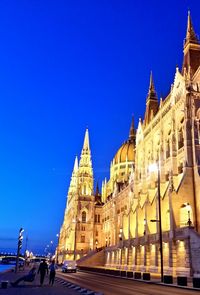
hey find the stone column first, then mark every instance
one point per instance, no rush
(172, 257)
(146, 256)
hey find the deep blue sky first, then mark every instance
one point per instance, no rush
(66, 65)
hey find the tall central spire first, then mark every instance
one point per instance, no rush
(86, 144)
(85, 160)
(85, 168)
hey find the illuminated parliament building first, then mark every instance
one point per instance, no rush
(119, 227)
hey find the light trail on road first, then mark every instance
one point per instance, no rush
(109, 285)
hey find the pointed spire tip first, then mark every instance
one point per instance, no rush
(191, 36)
(86, 143)
(132, 130)
(152, 92)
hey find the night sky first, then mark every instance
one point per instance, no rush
(64, 66)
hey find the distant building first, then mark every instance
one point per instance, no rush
(120, 220)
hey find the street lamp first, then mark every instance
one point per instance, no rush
(145, 224)
(96, 244)
(19, 246)
(75, 228)
(155, 167)
(188, 208)
(120, 234)
(106, 241)
(51, 248)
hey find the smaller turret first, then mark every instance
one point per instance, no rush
(191, 60)
(132, 131)
(151, 102)
(98, 195)
(74, 178)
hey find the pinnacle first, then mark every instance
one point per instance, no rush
(151, 84)
(151, 92)
(86, 144)
(85, 160)
(191, 36)
(132, 130)
(97, 190)
(75, 164)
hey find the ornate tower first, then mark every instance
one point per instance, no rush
(77, 231)
(84, 207)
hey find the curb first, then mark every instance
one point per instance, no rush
(143, 281)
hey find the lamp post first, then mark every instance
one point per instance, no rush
(188, 207)
(75, 228)
(145, 224)
(19, 246)
(156, 168)
(120, 234)
(96, 243)
(51, 249)
(106, 241)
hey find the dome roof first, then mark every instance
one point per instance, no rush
(125, 152)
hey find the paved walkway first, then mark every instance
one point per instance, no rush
(34, 288)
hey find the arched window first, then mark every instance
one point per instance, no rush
(180, 168)
(167, 149)
(83, 216)
(180, 138)
(157, 154)
(84, 189)
(157, 151)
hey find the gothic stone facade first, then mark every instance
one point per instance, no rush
(121, 219)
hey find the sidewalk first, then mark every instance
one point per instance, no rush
(33, 288)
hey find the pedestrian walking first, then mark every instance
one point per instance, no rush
(52, 268)
(43, 270)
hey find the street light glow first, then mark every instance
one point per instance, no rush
(153, 167)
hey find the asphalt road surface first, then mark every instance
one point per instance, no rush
(109, 285)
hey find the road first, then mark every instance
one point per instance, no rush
(116, 286)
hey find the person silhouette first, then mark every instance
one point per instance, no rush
(52, 268)
(42, 270)
(27, 278)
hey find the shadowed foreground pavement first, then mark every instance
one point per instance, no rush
(33, 288)
(110, 285)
